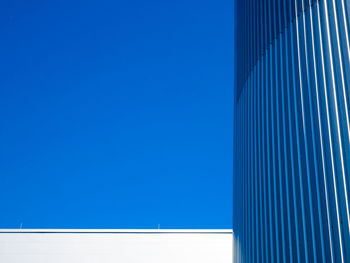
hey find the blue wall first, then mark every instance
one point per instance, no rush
(292, 131)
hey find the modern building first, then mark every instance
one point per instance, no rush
(124, 246)
(292, 131)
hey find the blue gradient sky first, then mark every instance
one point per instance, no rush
(116, 114)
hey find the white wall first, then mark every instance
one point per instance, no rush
(129, 246)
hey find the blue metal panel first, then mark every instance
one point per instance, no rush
(292, 131)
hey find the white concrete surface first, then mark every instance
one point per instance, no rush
(123, 246)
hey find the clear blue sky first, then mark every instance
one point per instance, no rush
(116, 114)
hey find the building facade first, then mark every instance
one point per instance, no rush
(115, 245)
(292, 131)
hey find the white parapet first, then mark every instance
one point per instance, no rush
(113, 245)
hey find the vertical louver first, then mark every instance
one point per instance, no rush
(292, 131)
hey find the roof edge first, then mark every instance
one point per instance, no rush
(121, 231)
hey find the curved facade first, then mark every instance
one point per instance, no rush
(292, 131)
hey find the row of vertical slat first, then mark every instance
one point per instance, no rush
(292, 131)
(247, 44)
